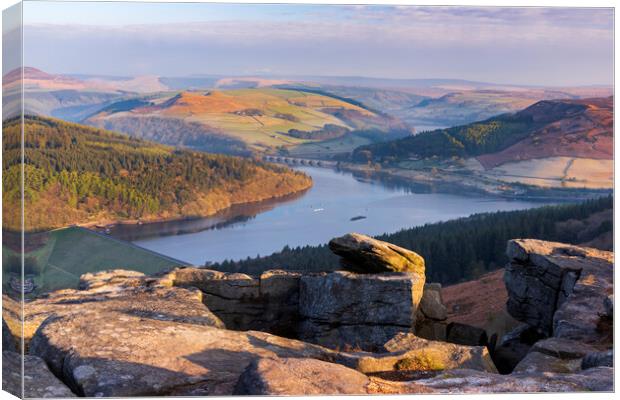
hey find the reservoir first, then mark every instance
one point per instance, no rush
(337, 203)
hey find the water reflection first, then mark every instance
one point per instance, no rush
(236, 214)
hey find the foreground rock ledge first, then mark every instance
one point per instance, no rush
(126, 334)
(39, 382)
(311, 377)
(558, 288)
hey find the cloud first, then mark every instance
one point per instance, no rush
(402, 41)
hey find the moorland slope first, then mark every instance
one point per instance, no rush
(262, 119)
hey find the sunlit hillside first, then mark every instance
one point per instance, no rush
(261, 119)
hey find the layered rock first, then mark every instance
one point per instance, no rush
(126, 334)
(127, 293)
(560, 289)
(563, 292)
(268, 303)
(345, 309)
(363, 254)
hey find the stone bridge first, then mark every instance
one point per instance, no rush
(299, 161)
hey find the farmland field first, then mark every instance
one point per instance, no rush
(260, 118)
(558, 172)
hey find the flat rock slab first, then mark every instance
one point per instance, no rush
(300, 377)
(113, 353)
(39, 382)
(467, 381)
(363, 254)
(535, 362)
(565, 349)
(122, 292)
(409, 352)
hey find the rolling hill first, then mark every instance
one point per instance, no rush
(572, 128)
(566, 143)
(76, 174)
(53, 95)
(261, 119)
(427, 104)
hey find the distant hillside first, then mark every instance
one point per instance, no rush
(69, 97)
(575, 128)
(78, 174)
(430, 104)
(34, 78)
(571, 128)
(261, 119)
(53, 95)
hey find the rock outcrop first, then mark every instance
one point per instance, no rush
(558, 288)
(300, 377)
(563, 292)
(193, 332)
(128, 293)
(416, 353)
(268, 303)
(432, 314)
(359, 310)
(468, 381)
(339, 309)
(363, 254)
(38, 381)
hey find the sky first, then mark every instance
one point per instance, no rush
(535, 46)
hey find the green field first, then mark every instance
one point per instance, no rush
(328, 148)
(59, 257)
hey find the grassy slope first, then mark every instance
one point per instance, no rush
(223, 111)
(68, 253)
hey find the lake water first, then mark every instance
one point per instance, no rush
(313, 218)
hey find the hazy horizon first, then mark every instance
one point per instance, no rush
(512, 46)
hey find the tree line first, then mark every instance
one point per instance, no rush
(456, 250)
(100, 170)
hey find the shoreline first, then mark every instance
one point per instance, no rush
(106, 224)
(448, 181)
